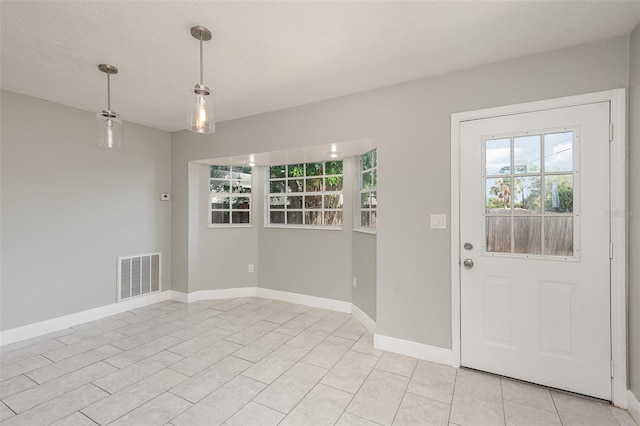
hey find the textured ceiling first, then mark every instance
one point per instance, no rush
(265, 55)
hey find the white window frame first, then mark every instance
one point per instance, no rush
(303, 194)
(230, 178)
(362, 190)
(543, 214)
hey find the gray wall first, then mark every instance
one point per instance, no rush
(410, 124)
(364, 269)
(312, 262)
(69, 208)
(634, 218)
(223, 254)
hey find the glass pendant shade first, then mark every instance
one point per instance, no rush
(201, 118)
(108, 122)
(109, 126)
(202, 111)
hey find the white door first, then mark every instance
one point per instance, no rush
(534, 229)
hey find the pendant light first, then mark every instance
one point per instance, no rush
(109, 122)
(201, 113)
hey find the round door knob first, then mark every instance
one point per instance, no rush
(468, 263)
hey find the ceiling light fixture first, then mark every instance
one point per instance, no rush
(201, 114)
(108, 122)
(334, 154)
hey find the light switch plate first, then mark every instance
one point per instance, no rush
(165, 197)
(438, 221)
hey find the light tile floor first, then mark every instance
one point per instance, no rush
(253, 361)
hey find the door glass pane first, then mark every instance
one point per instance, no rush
(526, 154)
(498, 234)
(498, 156)
(527, 232)
(558, 236)
(294, 218)
(498, 195)
(558, 194)
(526, 198)
(374, 219)
(558, 152)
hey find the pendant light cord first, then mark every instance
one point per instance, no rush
(201, 67)
(108, 92)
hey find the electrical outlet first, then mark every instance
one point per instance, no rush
(355, 282)
(251, 269)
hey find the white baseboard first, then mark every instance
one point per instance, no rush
(413, 349)
(363, 318)
(225, 293)
(179, 296)
(60, 323)
(303, 299)
(633, 406)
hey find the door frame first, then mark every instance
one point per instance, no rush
(618, 205)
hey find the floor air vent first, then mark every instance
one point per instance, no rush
(138, 275)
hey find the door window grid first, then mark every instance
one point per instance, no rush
(529, 199)
(307, 194)
(368, 194)
(229, 196)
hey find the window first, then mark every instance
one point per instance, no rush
(306, 194)
(529, 194)
(368, 189)
(230, 196)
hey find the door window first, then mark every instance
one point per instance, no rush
(529, 194)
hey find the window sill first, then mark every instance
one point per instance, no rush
(309, 227)
(230, 225)
(372, 231)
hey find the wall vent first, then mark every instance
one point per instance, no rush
(138, 275)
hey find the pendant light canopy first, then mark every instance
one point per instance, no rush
(202, 111)
(108, 122)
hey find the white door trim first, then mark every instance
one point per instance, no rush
(618, 204)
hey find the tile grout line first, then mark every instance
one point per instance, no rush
(319, 380)
(57, 396)
(504, 411)
(453, 393)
